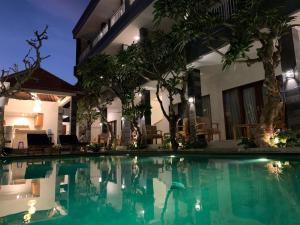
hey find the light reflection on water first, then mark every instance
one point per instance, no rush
(150, 190)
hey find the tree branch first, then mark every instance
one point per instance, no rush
(161, 103)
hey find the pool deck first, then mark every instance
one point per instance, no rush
(208, 152)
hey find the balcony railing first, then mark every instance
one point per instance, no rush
(117, 15)
(100, 35)
(225, 9)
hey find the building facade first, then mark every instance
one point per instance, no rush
(228, 98)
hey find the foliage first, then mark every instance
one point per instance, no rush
(94, 147)
(160, 60)
(288, 138)
(197, 143)
(247, 143)
(107, 77)
(166, 145)
(87, 113)
(258, 20)
(31, 62)
(255, 24)
(136, 111)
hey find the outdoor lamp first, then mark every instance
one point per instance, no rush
(137, 38)
(290, 74)
(191, 100)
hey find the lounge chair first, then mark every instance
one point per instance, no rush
(38, 142)
(70, 142)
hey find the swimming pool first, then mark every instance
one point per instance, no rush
(150, 190)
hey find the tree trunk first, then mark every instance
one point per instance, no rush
(2, 138)
(111, 138)
(173, 129)
(88, 132)
(273, 104)
(136, 135)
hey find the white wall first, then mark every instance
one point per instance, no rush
(214, 81)
(95, 131)
(114, 112)
(49, 109)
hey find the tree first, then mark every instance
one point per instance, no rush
(125, 82)
(87, 114)
(31, 63)
(162, 61)
(120, 76)
(96, 88)
(261, 21)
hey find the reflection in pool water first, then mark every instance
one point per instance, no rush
(150, 190)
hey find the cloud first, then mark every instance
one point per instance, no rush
(67, 9)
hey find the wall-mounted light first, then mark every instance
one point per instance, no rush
(140, 94)
(123, 118)
(191, 100)
(101, 124)
(137, 38)
(290, 74)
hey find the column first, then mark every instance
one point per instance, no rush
(73, 115)
(194, 100)
(290, 64)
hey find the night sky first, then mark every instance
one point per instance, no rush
(18, 20)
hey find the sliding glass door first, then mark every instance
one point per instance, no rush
(242, 106)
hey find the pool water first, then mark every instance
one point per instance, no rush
(150, 190)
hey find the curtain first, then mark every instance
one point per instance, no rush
(250, 105)
(232, 112)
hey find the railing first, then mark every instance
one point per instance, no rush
(100, 35)
(225, 9)
(117, 15)
(104, 30)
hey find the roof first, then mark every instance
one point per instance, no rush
(86, 14)
(43, 80)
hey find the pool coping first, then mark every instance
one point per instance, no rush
(214, 153)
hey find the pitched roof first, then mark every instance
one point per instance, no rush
(43, 80)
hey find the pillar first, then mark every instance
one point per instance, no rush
(290, 64)
(73, 115)
(194, 99)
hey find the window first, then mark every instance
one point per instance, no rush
(242, 105)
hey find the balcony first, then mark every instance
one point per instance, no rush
(225, 9)
(112, 21)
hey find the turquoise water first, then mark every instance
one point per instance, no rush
(150, 190)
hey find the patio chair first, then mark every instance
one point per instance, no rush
(38, 142)
(153, 133)
(70, 142)
(206, 128)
